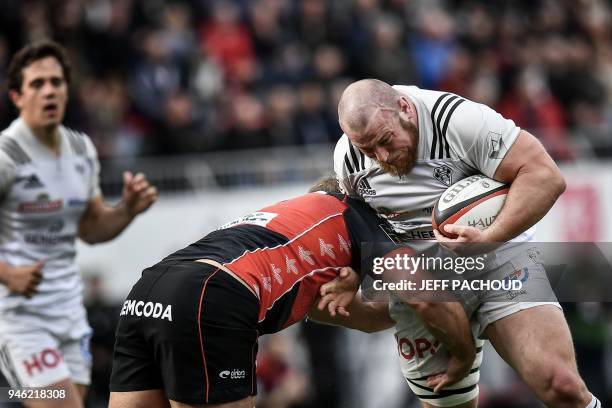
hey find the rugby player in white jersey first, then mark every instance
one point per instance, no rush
(402, 147)
(49, 196)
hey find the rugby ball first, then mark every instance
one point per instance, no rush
(474, 201)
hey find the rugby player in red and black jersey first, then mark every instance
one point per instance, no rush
(188, 330)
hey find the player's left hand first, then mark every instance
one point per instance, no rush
(339, 293)
(467, 240)
(457, 370)
(138, 194)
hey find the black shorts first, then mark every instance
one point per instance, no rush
(190, 329)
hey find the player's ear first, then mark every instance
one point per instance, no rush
(16, 98)
(404, 107)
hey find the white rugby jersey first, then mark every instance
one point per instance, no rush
(42, 197)
(457, 138)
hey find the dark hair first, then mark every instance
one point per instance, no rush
(31, 53)
(328, 183)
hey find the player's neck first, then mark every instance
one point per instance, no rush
(49, 136)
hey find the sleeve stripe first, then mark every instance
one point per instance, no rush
(438, 129)
(433, 122)
(355, 161)
(347, 163)
(9, 367)
(13, 150)
(362, 156)
(450, 113)
(77, 142)
(354, 157)
(440, 141)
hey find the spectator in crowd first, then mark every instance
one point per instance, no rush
(189, 56)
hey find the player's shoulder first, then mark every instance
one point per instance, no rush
(348, 159)
(11, 150)
(454, 120)
(79, 142)
(427, 97)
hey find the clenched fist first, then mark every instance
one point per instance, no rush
(22, 279)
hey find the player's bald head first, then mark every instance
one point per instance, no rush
(361, 100)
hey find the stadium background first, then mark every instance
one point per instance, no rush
(228, 105)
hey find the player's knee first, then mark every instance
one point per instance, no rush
(565, 388)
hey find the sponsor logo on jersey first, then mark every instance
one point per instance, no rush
(259, 218)
(42, 205)
(364, 189)
(235, 374)
(48, 239)
(426, 234)
(391, 233)
(75, 202)
(497, 148)
(147, 309)
(444, 175)
(31, 182)
(387, 212)
(56, 226)
(80, 168)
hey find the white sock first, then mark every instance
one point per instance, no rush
(594, 403)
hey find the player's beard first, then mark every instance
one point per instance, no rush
(404, 159)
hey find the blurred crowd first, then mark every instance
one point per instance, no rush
(162, 77)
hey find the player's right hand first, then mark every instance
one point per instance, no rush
(23, 279)
(337, 294)
(457, 370)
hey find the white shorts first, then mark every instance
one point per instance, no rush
(31, 355)
(525, 266)
(421, 355)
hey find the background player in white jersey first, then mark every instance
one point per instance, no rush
(49, 195)
(403, 146)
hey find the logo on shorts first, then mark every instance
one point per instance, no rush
(85, 343)
(235, 374)
(47, 358)
(521, 275)
(444, 175)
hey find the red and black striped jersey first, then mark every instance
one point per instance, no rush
(286, 251)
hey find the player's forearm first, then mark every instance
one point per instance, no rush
(532, 194)
(4, 268)
(448, 322)
(366, 317)
(104, 224)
